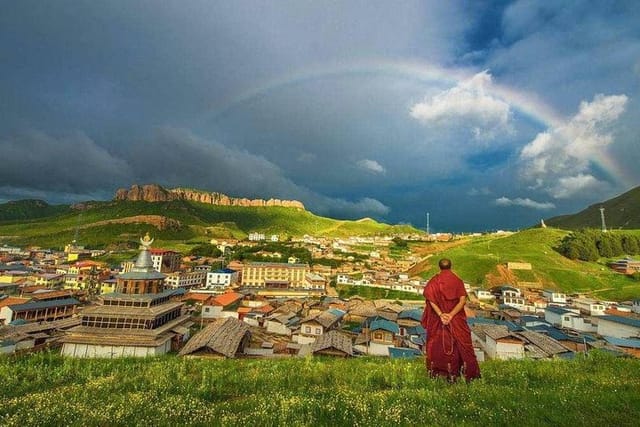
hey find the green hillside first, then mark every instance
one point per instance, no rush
(30, 209)
(620, 212)
(173, 223)
(48, 390)
(481, 262)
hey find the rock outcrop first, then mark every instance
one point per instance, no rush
(156, 193)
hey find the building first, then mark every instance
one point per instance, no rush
(50, 280)
(39, 311)
(140, 319)
(626, 266)
(618, 327)
(222, 278)
(271, 275)
(315, 325)
(185, 279)
(223, 338)
(224, 305)
(555, 297)
(165, 261)
(498, 342)
(589, 306)
(568, 318)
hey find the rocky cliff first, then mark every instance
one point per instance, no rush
(156, 193)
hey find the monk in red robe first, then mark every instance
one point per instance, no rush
(449, 350)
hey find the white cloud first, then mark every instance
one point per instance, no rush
(526, 203)
(470, 104)
(559, 159)
(484, 191)
(371, 166)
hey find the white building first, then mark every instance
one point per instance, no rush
(498, 342)
(618, 327)
(589, 306)
(484, 294)
(185, 279)
(569, 318)
(223, 277)
(555, 297)
(256, 237)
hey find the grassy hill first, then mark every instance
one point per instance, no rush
(46, 389)
(173, 223)
(30, 209)
(620, 212)
(480, 261)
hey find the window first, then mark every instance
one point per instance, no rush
(318, 331)
(307, 329)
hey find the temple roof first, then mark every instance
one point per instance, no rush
(143, 268)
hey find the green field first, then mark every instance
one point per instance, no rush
(48, 390)
(479, 257)
(198, 222)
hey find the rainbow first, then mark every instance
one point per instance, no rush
(528, 104)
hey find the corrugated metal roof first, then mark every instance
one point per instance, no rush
(623, 342)
(623, 320)
(385, 325)
(403, 353)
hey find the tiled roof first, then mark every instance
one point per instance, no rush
(227, 298)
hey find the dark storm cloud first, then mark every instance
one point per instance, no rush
(141, 91)
(175, 156)
(70, 163)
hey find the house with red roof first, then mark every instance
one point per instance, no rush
(224, 305)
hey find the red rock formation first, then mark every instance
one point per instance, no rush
(156, 193)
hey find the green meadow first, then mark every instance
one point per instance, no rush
(480, 256)
(48, 390)
(198, 223)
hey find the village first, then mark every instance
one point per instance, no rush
(164, 301)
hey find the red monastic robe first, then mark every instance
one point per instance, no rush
(449, 348)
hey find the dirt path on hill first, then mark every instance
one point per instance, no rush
(158, 221)
(501, 276)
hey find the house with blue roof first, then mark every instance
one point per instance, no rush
(618, 326)
(378, 336)
(570, 318)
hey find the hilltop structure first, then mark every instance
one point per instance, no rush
(141, 318)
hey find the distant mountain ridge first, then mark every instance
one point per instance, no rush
(157, 193)
(622, 212)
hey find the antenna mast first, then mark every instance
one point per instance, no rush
(428, 233)
(604, 226)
